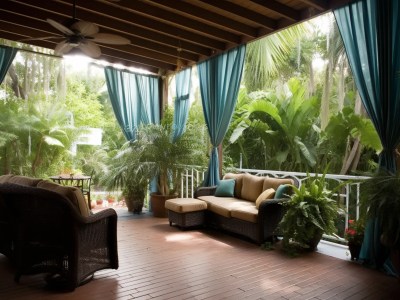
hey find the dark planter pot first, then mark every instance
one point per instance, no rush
(135, 201)
(158, 204)
(313, 243)
(354, 249)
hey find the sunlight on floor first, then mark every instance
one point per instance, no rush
(189, 237)
(179, 237)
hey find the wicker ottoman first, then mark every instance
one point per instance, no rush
(185, 212)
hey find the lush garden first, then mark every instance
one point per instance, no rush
(297, 110)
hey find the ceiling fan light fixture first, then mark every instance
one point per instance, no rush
(84, 36)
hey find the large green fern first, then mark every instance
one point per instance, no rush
(310, 212)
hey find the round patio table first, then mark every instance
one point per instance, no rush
(79, 181)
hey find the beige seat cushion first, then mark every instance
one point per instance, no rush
(265, 196)
(238, 183)
(72, 193)
(275, 182)
(182, 205)
(5, 178)
(246, 213)
(252, 187)
(24, 180)
(225, 205)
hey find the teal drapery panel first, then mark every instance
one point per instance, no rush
(371, 34)
(220, 79)
(7, 55)
(135, 99)
(181, 111)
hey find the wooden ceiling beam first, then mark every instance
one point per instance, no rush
(155, 12)
(281, 9)
(22, 8)
(19, 31)
(203, 14)
(91, 10)
(321, 5)
(135, 41)
(166, 61)
(161, 31)
(243, 12)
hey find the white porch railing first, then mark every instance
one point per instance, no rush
(349, 195)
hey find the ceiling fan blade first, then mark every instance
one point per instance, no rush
(42, 38)
(85, 28)
(90, 49)
(107, 38)
(62, 48)
(60, 27)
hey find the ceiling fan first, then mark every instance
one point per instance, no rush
(82, 35)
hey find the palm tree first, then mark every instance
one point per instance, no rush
(266, 56)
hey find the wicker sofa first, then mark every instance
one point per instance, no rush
(43, 230)
(253, 211)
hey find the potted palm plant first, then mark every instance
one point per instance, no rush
(125, 171)
(165, 159)
(380, 202)
(310, 212)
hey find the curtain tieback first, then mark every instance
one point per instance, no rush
(183, 97)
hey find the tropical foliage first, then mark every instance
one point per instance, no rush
(290, 114)
(165, 158)
(380, 200)
(310, 212)
(279, 126)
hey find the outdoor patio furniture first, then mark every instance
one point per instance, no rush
(254, 208)
(49, 235)
(185, 212)
(82, 182)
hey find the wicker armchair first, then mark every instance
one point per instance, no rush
(50, 236)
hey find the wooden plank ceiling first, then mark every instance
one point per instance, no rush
(161, 32)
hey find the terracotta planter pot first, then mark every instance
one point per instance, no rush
(158, 204)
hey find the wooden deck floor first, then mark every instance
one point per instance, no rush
(161, 262)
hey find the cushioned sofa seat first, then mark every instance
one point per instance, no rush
(255, 210)
(246, 213)
(231, 207)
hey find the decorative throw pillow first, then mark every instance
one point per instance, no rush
(283, 191)
(238, 183)
(225, 188)
(266, 195)
(252, 187)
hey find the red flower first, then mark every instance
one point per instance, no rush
(355, 232)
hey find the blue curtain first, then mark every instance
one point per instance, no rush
(7, 55)
(220, 79)
(371, 34)
(181, 111)
(135, 99)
